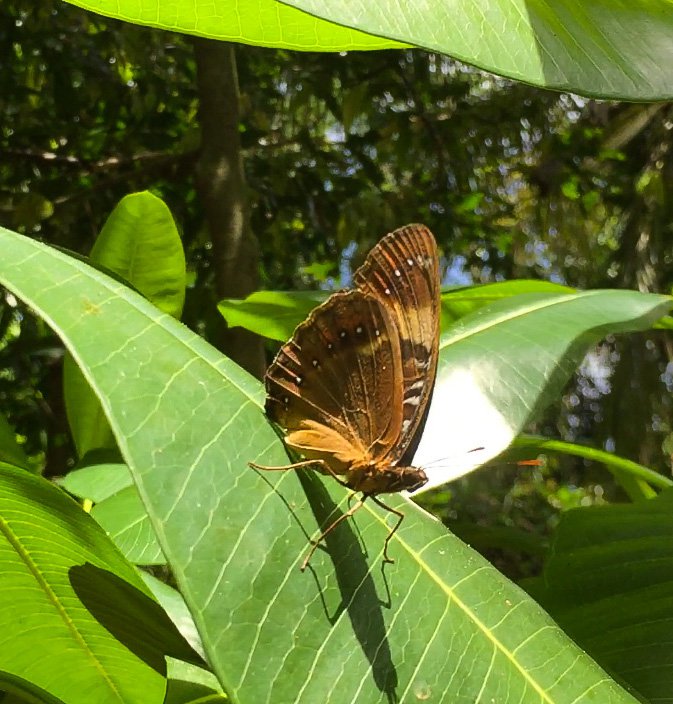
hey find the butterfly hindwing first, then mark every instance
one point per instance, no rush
(336, 386)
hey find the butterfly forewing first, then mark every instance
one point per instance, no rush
(402, 270)
(336, 386)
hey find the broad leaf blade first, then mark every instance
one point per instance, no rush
(464, 300)
(141, 244)
(440, 622)
(504, 363)
(65, 588)
(609, 580)
(257, 22)
(124, 518)
(272, 314)
(618, 50)
(97, 482)
(275, 314)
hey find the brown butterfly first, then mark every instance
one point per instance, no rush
(352, 386)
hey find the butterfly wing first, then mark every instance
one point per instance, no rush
(336, 385)
(402, 270)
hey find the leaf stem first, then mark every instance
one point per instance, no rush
(619, 465)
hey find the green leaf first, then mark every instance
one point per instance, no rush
(125, 520)
(73, 610)
(258, 22)
(628, 473)
(174, 605)
(463, 300)
(272, 314)
(275, 314)
(10, 450)
(608, 50)
(485, 538)
(189, 683)
(140, 243)
(441, 622)
(118, 510)
(97, 482)
(504, 363)
(609, 582)
(354, 102)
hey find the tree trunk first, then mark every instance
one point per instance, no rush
(221, 186)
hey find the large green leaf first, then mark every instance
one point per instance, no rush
(76, 620)
(259, 22)
(440, 624)
(502, 364)
(608, 50)
(97, 482)
(141, 244)
(118, 510)
(609, 581)
(124, 519)
(275, 314)
(458, 302)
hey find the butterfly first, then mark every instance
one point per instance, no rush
(351, 388)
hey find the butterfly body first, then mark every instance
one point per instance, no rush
(351, 387)
(373, 479)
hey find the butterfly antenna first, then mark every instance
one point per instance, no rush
(447, 459)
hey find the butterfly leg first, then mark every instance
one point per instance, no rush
(282, 467)
(329, 529)
(400, 518)
(299, 465)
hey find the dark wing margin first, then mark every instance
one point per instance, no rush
(402, 270)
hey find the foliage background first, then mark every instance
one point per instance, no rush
(337, 149)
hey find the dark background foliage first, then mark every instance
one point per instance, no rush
(337, 150)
